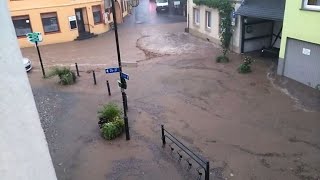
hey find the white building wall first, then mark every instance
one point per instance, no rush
(24, 153)
(236, 37)
(213, 34)
(201, 28)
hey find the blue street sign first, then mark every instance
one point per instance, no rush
(112, 70)
(125, 76)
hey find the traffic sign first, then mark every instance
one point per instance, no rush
(34, 37)
(112, 70)
(125, 76)
(123, 84)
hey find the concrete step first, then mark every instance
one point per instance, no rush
(85, 35)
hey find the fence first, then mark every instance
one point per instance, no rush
(205, 165)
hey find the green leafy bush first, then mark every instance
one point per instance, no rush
(109, 112)
(113, 129)
(110, 122)
(245, 67)
(65, 75)
(222, 58)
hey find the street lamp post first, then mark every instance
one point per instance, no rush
(122, 80)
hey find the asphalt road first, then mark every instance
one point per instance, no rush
(146, 13)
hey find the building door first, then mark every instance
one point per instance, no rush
(302, 62)
(80, 21)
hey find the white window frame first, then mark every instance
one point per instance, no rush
(310, 7)
(195, 11)
(207, 19)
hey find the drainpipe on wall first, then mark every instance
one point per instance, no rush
(24, 152)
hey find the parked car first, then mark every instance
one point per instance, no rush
(27, 64)
(162, 5)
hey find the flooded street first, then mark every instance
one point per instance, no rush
(248, 126)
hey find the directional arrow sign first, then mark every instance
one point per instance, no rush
(125, 76)
(112, 70)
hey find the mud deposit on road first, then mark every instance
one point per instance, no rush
(171, 44)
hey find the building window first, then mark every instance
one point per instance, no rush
(97, 16)
(22, 25)
(196, 16)
(127, 6)
(312, 4)
(122, 6)
(208, 19)
(107, 4)
(50, 22)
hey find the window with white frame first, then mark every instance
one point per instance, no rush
(208, 19)
(311, 4)
(196, 16)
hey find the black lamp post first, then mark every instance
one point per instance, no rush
(122, 80)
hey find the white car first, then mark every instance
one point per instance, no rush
(27, 64)
(162, 5)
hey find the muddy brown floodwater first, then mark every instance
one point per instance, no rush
(248, 126)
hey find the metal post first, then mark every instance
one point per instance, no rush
(108, 86)
(94, 77)
(126, 124)
(43, 72)
(163, 136)
(126, 102)
(207, 172)
(77, 69)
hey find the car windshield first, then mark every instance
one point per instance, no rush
(162, 1)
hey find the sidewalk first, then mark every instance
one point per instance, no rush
(99, 51)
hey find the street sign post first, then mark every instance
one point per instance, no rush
(122, 80)
(124, 75)
(112, 70)
(35, 38)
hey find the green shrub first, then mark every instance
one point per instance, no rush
(65, 75)
(222, 58)
(318, 87)
(245, 67)
(113, 129)
(109, 112)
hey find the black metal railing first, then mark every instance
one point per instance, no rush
(203, 164)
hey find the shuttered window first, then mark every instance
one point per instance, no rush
(50, 22)
(97, 16)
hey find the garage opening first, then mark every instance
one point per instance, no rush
(262, 22)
